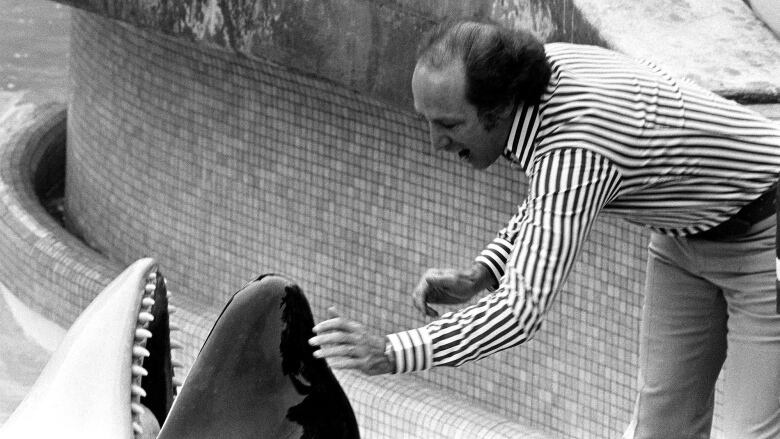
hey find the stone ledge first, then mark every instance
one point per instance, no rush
(365, 45)
(719, 44)
(370, 45)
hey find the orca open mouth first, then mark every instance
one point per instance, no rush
(255, 375)
(154, 383)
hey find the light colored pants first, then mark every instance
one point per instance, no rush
(706, 302)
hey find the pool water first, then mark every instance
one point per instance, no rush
(33, 69)
(33, 64)
(34, 48)
(21, 361)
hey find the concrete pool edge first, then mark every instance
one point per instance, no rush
(56, 275)
(39, 253)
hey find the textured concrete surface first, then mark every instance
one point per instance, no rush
(366, 45)
(719, 44)
(369, 45)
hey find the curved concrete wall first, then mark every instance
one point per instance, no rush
(51, 271)
(366, 45)
(35, 250)
(242, 167)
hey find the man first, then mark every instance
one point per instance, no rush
(597, 131)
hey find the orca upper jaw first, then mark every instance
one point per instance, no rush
(155, 372)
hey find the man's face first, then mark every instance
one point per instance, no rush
(440, 96)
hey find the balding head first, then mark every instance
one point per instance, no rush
(502, 66)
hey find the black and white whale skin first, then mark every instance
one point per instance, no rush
(255, 376)
(112, 373)
(112, 377)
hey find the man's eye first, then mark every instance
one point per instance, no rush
(447, 125)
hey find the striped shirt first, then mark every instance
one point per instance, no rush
(610, 134)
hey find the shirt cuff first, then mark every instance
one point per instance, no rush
(494, 257)
(413, 350)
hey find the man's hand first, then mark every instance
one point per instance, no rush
(347, 345)
(449, 286)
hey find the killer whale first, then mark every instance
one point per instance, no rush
(254, 376)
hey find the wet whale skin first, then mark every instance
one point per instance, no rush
(255, 376)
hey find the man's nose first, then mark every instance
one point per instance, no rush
(439, 140)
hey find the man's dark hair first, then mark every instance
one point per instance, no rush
(503, 66)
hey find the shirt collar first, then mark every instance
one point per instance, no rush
(520, 144)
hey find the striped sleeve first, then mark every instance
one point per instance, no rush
(495, 255)
(567, 190)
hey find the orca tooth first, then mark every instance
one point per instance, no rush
(139, 370)
(175, 344)
(173, 327)
(172, 309)
(149, 288)
(177, 381)
(168, 294)
(137, 390)
(145, 317)
(142, 333)
(147, 301)
(139, 351)
(137, 428)
(136, 408)
(175, 363)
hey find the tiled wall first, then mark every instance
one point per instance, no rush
(243, 167)
(48, 268)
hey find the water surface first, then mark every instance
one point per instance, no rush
(21, 361)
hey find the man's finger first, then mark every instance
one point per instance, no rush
(339, 350)
(420, 301)
(337, 324)
(335, 337)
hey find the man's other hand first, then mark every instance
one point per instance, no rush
(448, 286)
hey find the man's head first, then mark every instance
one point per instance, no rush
(468, 78)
